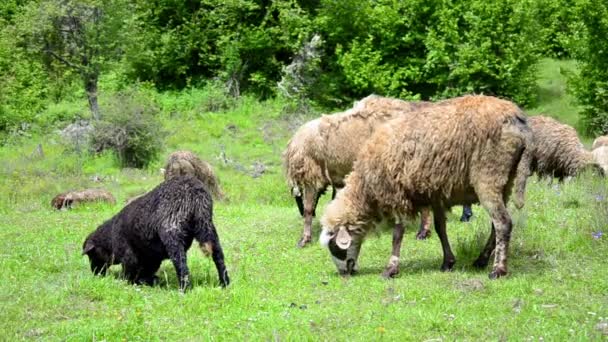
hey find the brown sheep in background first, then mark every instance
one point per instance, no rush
(182, 163)
(460, 151)
(556, 152)
(322, 151)
(67, 199)
(600, 141)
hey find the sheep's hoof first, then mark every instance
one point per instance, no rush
(303, 242)
(447, 266)
(480, 263)
(423, 234)
(390, 272)
(465, 218)
(497, 273)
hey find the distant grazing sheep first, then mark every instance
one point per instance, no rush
(187, 163)
(600, 155)
(158, 225)
(600, 141)
(322, 151)
(67, 199)
(556, 152)
(460, 151)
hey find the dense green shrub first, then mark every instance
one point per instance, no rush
(590, 86)
(130, 127)
(244, 43)
(558, 23)
(436, 48)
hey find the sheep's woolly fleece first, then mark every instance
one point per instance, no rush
(439, 156)
(67, 199)
(323, 150)
(181, 163)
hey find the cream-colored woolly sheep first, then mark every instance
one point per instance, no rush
(600, 155)
(461, 151)
(600, 141)
(187, 163)
(67, 199)
(556, 152)
(322, 151)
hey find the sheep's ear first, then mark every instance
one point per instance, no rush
(343, 239)
(325, 237)
(87, 247)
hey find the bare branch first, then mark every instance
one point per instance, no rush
(63, 60)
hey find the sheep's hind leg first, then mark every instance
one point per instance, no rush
(392, 269)
(212, 241)
(484, 256)
(177, 253)
(425, 224)
(448, 257)
(501, 226)
(309, 201)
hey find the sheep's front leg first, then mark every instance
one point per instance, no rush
(448, 257)
(177, 253)
(309, 202)
(392, 268)
(425, 224)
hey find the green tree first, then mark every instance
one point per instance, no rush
(75, 36)
(590, 86)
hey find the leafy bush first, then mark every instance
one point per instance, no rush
(130, 128)
(439, 48)
(590, 86)
(557, 24)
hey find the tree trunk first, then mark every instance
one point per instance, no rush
(90, 86)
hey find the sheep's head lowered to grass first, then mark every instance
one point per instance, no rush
(98, 247)
(343, 234)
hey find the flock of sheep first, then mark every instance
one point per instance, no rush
(391, 160)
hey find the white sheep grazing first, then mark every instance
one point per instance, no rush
(461, 151)
(322, 151)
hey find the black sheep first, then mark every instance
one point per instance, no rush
(157, 226)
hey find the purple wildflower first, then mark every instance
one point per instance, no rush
(597, 234)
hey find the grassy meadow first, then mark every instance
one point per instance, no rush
(557, 288)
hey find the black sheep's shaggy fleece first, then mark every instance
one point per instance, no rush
(157, 226)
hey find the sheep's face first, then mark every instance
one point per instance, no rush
(344, 248)
(100, 258)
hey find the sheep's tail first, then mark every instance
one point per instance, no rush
(524, 164)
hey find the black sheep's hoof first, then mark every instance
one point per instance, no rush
(480, 263)
(303, 242)
(447, 266)
(497, 273)
(465, 218)
(423, 234)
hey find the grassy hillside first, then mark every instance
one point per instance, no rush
(557, 289)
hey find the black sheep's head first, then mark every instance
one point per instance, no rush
(100, 257)
(344, 247)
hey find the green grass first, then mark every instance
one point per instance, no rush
(557, 288)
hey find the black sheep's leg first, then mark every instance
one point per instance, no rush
(334, 190)
(440, 228)
(177, 253)
(467, 213)
(130, 266)
(314, 206)
(218, 257)
(147, 275)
